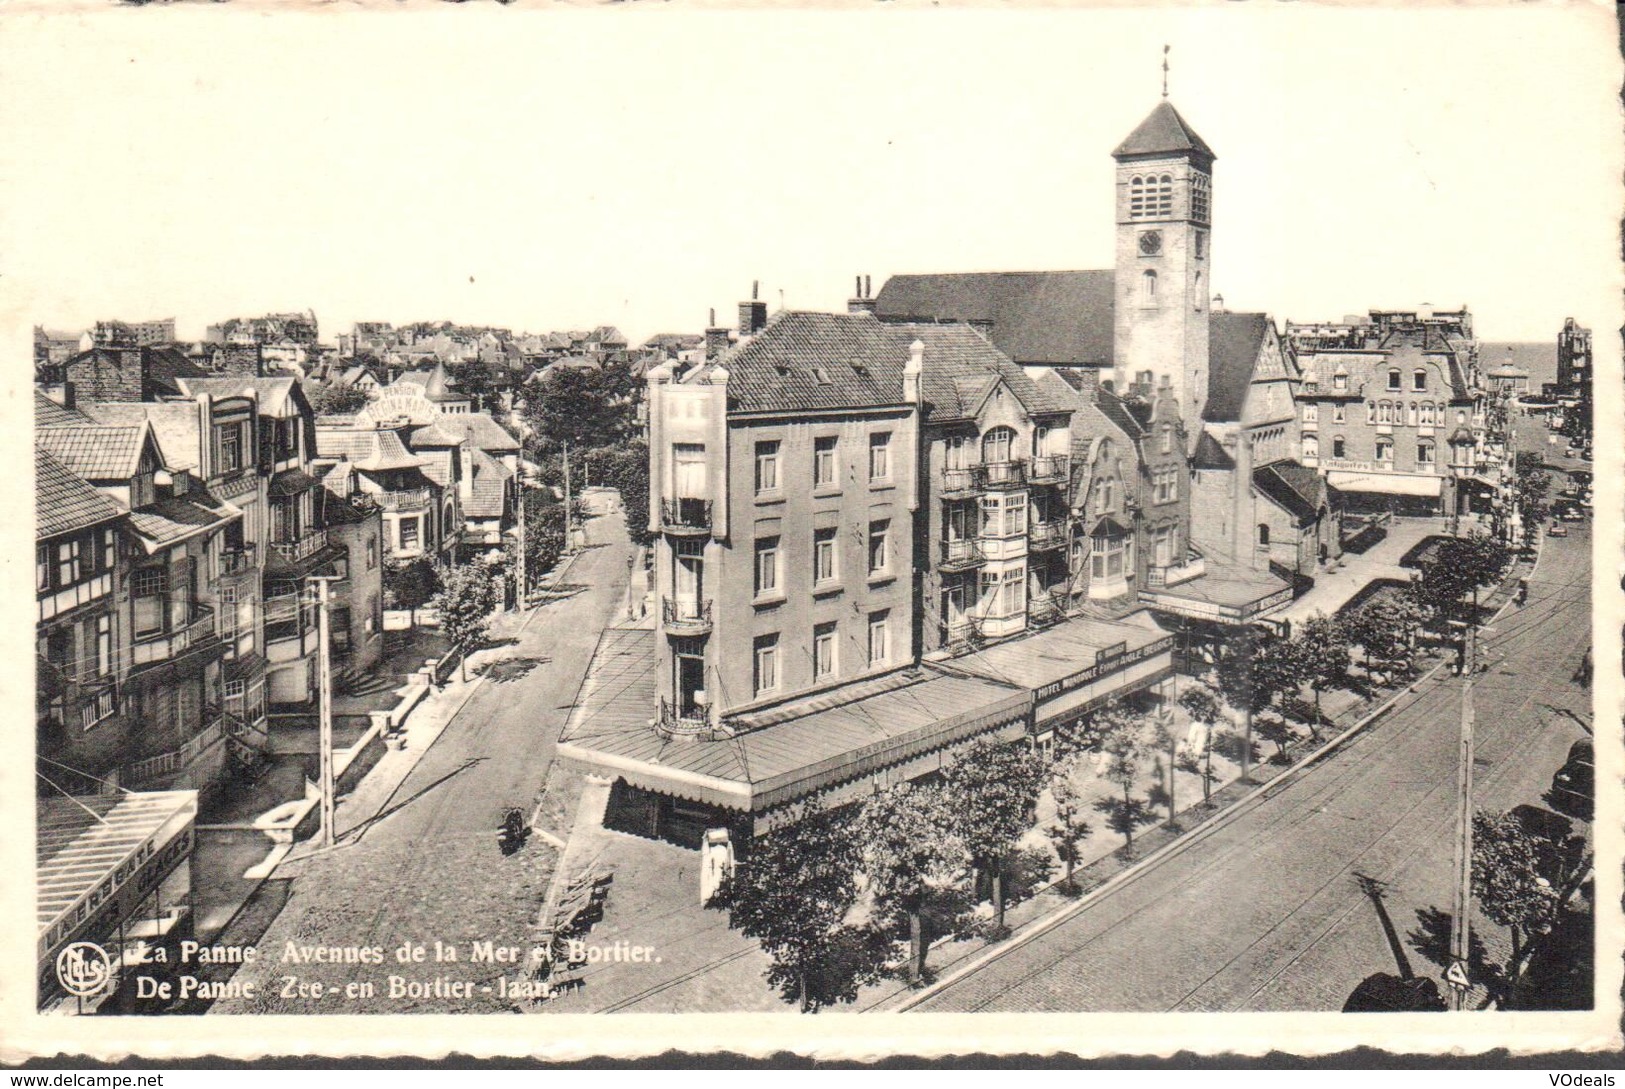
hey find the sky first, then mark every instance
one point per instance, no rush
(546, 167)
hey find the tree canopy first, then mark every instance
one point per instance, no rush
(466, 599)
(794, 894)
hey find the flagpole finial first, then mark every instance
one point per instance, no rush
(1165, 71)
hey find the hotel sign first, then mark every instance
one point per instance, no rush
(1108, 660)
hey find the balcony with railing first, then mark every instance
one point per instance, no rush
(1172, 574)
(1049, 469)
(408, 499)
(960, 554)
(236, 561)
(677, 724)
(150, 769)
(1046, 608)
(199, 632)
(1002, 474)
(1046, 535)
(685, 516)
(685, 616)
(960, 483)
(301, 548)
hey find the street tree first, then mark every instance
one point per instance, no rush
(1242, 684)
(1126, 750)
(1509, 885)
(466, 599)
(580, 406)
(1322, 650)
(993, 788)
(1203, 709)
(795, 893)
(1462, 566)
(626, 469)
(409, 584)
(1070, 829)
(910, 855)
(544, 532)
(1386, 627)
(1158, 737)
(328, 399)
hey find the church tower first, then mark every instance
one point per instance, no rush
(1164, 249)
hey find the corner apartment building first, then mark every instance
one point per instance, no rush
(784, 488)
(1392, 410)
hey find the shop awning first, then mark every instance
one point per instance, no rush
(1385, 483)
(88, 847)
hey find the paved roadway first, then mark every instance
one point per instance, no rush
(429, 868)
(1272, 912)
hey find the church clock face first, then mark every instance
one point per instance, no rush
(1150, 243)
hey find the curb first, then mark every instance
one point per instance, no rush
(1245, 803)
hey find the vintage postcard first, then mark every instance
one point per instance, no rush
(875, 530)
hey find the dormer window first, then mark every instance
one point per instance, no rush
(1340, 382)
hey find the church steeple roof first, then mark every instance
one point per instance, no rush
(1163, 132)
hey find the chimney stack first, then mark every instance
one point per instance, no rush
(861, 302)
(717, 339)
(1087, 381)
(752, 313)
(912, 371)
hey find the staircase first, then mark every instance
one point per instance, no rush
(355, 682)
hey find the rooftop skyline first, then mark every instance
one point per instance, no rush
(423, 167)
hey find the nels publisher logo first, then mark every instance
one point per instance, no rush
(83, 969)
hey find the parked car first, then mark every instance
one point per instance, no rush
(1557, 529)
(1572, 514)
(1572, 786)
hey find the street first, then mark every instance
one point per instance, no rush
(428, 868)
(1344, 871)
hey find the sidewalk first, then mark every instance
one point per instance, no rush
(1343, 581)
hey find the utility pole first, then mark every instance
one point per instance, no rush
(324, 667)
(1460, 927)
(520, 574)
(569, 513)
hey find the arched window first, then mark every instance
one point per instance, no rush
(1311, 447)
(1167, 438)
(1263, 535)
(1136, 198)
(1148, 286)
(1419, 379)
(1371, 412)
(1338, 446)
(1424, 452)
(997, 444)
(1393, 378)
(1165, 195)
(1412, 417)
(1201, 201)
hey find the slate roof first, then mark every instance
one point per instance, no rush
(369, 451)
(174, 423)
(805, 361)
(1233, 343)
(168, 362)
(1210, 454)
(96, 452)
(1296, 489)
(174, 518)
(1162, 131)
(62, 502)
(436, 465)
(273, 394)
(47, 413)
(1058, 318)
(1122, 414)
(488, 495)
